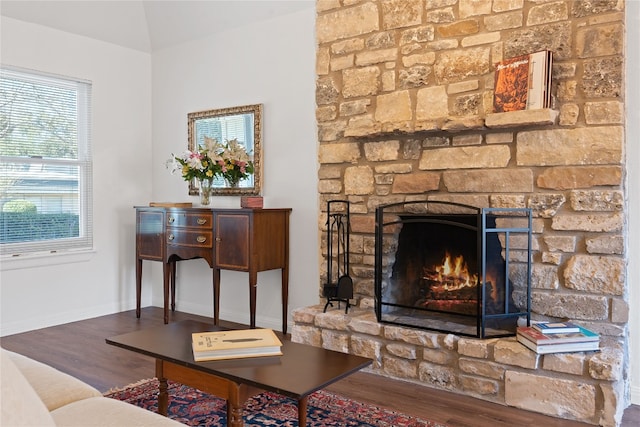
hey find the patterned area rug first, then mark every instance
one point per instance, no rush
(195, 408)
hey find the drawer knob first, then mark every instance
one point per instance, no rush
(201, 239)
(171, 220)
(202, 221)
(170, 237)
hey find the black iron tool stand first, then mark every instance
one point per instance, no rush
(339, 288)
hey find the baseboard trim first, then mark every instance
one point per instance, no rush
(635, 395)
(60, 318)
(234, 316)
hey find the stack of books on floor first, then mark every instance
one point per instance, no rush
(563, 337)
(235, 344)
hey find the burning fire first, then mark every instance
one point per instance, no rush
(452, 275)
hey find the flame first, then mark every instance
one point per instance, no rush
(454, 274)
(452, 281)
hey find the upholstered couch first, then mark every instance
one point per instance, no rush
(34, 394)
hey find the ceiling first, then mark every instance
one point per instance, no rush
(148, 26)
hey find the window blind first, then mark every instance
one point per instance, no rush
(46, 163)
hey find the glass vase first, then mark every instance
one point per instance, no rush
(205, 191)
(232, 182)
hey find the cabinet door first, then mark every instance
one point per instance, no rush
(150, 234)
(232, 233)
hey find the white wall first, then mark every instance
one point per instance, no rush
(140, 107)
(41, 292)
(270, 63)
(633, 182)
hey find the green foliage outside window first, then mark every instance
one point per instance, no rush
(18, 206)
(24, 227)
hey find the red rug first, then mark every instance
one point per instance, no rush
(196, 408)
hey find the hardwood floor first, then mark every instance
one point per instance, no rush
(79, 349)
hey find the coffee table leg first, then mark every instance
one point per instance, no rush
(229, 413)
(302, 411)
(163, 397)
(234, 414)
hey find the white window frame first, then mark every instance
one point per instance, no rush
(63, 249)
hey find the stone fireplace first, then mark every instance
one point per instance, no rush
(404, 97)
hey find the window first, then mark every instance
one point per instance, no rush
(225, 128)
(45, 163)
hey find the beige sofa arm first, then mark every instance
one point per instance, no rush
(54, 387)
(35, 394)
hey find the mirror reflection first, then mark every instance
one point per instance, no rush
(238, 124)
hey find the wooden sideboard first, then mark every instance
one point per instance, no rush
(250, 240)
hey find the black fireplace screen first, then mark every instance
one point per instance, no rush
(453, 268)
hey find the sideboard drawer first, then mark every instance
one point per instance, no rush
(190, 219)
(192, 238)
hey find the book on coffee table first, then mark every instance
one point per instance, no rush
(235, 344)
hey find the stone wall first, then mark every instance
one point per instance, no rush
(404, 109)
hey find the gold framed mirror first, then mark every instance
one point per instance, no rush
(243, 124)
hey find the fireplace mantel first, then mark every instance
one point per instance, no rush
(367, 128)
(513, 119)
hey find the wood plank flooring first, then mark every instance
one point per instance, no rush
(79, 349)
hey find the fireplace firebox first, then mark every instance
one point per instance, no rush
(453, 268)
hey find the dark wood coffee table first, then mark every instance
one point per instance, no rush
(301, 370)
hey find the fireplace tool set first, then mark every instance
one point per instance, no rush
(340, 290)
